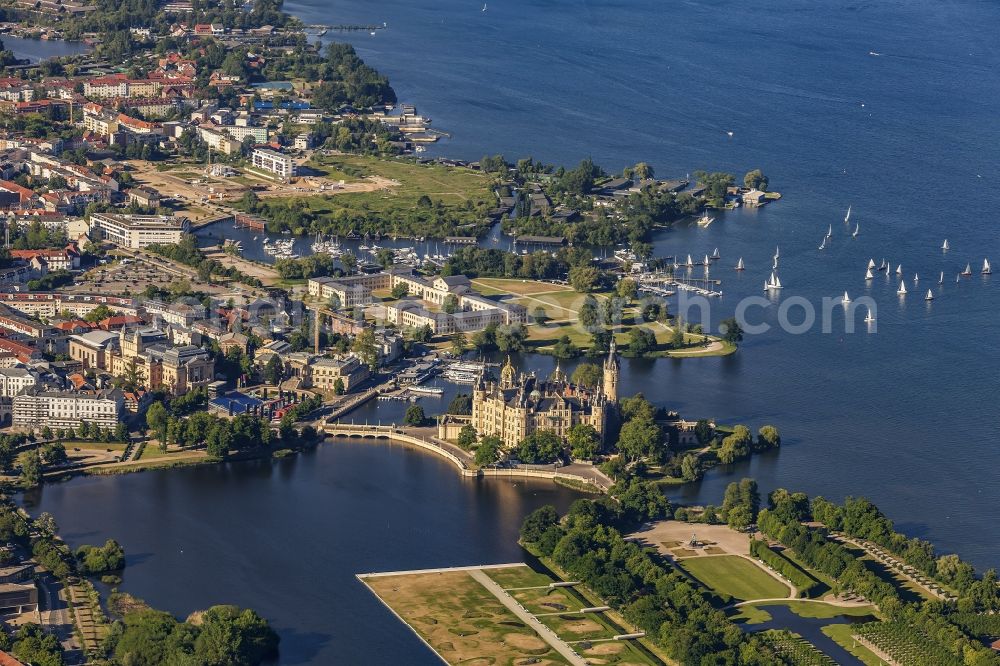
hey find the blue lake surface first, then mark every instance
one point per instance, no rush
(904, 414)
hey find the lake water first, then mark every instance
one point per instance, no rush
(40, 49)
(904, 414)
(288, 538)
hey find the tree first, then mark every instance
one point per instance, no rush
(366, 347)
(539, 315)
(460, 404)
(338, 386)
(768, 437)
(639, 438)
(642, 171)
(156, 420)
(564, 348)
(703, 432)
(33, 645)
(627, 289)
(274, 369)
(589, 315)
(349, 262)
(459, 343)
(467, 436)
(511, 337)
(541, 446)
(94, 560)
(31, 469)
(731, 330)
(690, 470)
(584, 279)
(450, 305)
(235, 636)
(736, 446)
(414, 416)
(588, 374)
(488, 451)
(641, 341)
(755, 180)
(400, 290)
(584, 442)
(537, 522)
(54, 453)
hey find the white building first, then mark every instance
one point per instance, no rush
(66, 409)
(15, 380)
(240, 132)
(274, 162)
(138, 231)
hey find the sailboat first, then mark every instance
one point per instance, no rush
(871, 264)
(888, 267)
(739, 265)
(774, 266)
(902, 289)
(857, 228)
(484, 6)
(689, 262)
(916, 278)
(707, 261)
(777, 252)
(899, 269)
(881, 266)
(986, 267)
(968, 270)
(929, 296)
(945, 246)
(773, 283)
(870, 318)
(822, 245)
(715, 254)
(846, 298)
(829, 232)
(868, 275)
(847, 218)
(941, 279)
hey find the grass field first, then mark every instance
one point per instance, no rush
(735, 576)
(842, 635)
(449, 185)
(460, 619)
(753, 613)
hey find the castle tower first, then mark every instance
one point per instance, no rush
(611, 373)
(507, 374)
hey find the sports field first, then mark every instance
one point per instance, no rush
(735, 576)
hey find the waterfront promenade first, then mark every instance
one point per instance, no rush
(424, 438)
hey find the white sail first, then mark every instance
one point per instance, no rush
(871, 317)
(777, 283)
(847, 218)
(916, 278)
(929, 296)
(715, 254)
(902, 288)
(945, 246)
(739, 264)
(689, 262)
(941, 279)
(868, 275)
(871, 263)
(822, 245)
(846, 298)
(899, 269)
(777, 252)
(968, 270)
(986, 267)
(829, 231)
(857, 229)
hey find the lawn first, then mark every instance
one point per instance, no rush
(460, 619)
(449, 185)
(492, 286)
(735, 576)
(810, 609)
(842, 634)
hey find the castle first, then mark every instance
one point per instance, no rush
(521, 404)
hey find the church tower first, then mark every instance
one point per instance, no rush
(611, 372)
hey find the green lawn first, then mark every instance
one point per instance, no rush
(735, 576)
(841, 634)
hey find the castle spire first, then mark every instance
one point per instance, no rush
(507, 374)
(611, 373)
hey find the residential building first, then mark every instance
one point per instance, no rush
(138, 231)
(67, 409)
(274, 162)
(16, 380)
